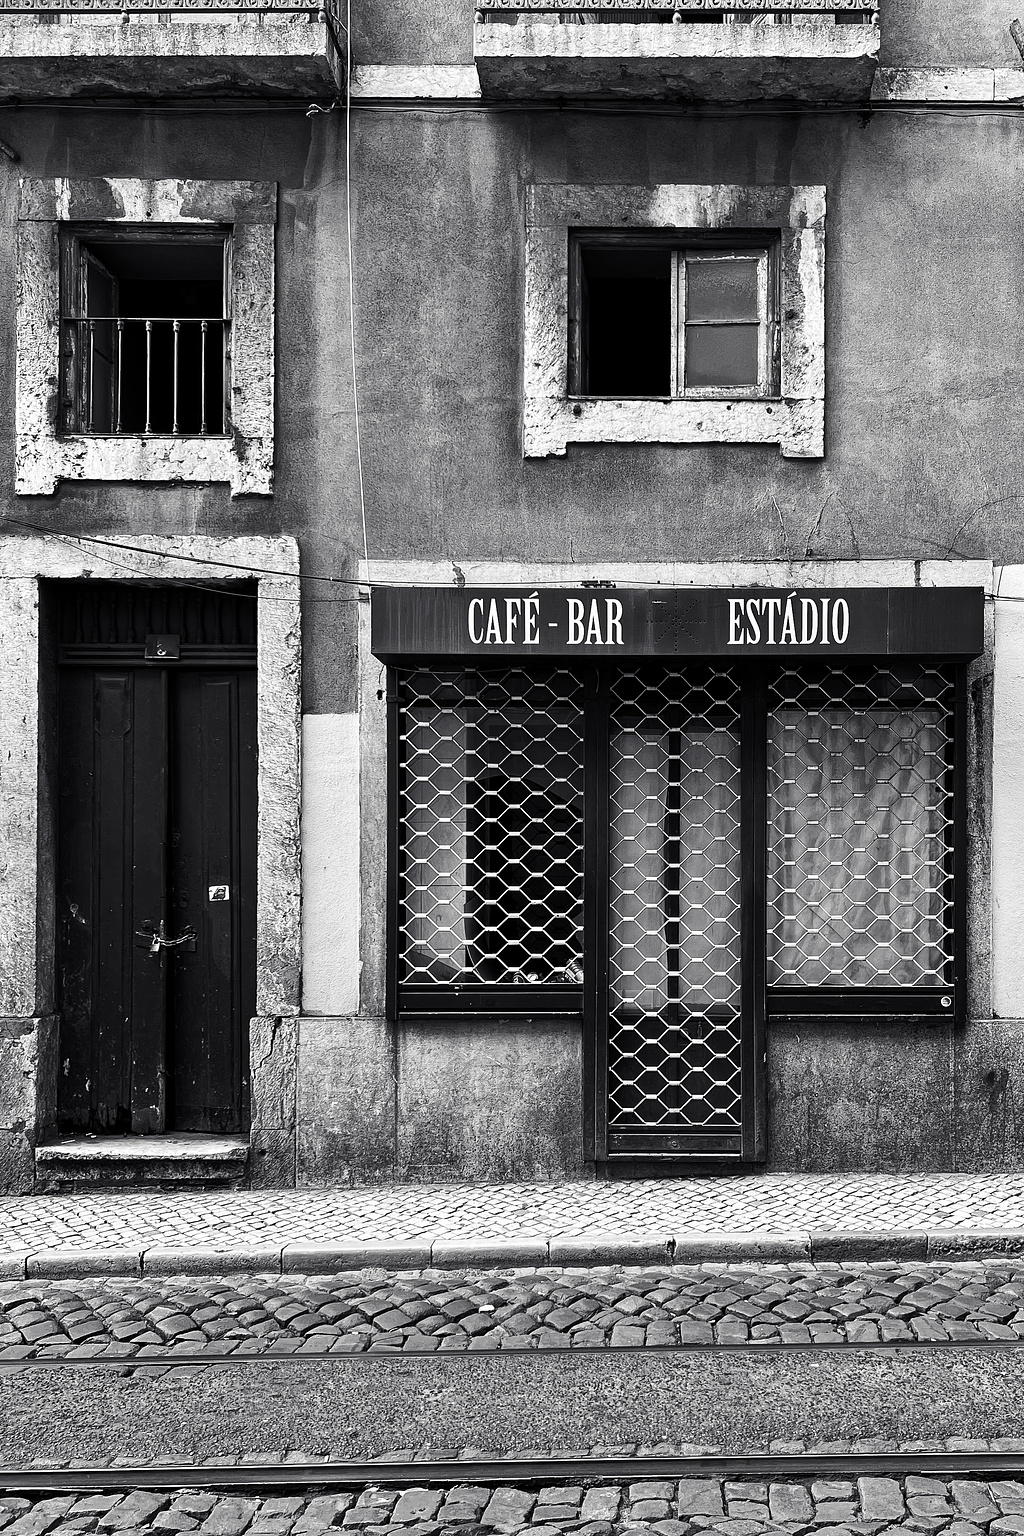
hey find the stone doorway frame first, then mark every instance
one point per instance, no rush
(28, 1020)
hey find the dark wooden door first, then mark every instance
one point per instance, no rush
(156, 888)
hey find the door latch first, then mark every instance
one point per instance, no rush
(156, 938)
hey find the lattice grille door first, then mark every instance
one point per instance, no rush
(675, 1010)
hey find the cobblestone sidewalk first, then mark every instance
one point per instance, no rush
(709, 1304)
(559, 1223)
(869, 1506)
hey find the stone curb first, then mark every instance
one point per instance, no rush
(68, 1262)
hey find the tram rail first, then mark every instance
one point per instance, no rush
(506, 1470)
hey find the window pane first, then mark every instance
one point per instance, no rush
(723, 356)
(628, 312)
(491, 827)
(721, 290)
(860, 826)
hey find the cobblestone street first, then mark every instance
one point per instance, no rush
(541, 1309)
(869, 1506)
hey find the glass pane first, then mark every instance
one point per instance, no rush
(721, 290)
(860, 824)
(492, 827)
(674, 868)
(722, 356)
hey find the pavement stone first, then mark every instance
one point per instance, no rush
(652, 1307)
(766, 1217)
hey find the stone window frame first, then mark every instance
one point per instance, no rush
(44, 456)
(794, 420)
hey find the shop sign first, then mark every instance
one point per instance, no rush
(685, 621)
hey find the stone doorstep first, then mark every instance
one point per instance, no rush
(181, 1162)
(185, 1147)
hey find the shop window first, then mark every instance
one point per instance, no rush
(490, 839)
(144, 325)
(860, 823)
(692, 843)
(655, 320)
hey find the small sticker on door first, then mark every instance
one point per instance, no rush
(220, 893)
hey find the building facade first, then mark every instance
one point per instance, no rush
(512, 560)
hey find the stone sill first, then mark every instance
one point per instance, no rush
(807, 61)
(184, 1147)
(205, 55)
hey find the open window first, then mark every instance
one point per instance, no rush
(659, 319)
(145, 332)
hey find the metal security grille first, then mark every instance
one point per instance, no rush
(674, 1028)
(490, 830)
(860, 827)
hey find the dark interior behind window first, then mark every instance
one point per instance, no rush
(627, 302)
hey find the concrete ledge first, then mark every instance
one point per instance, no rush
(609, 1250)
(69, 1263)
(503, 1253)
(65, 1261)
(726, 1247)
(327, 1258)
(211, 1261)
(968, 1245)
(839, 1247)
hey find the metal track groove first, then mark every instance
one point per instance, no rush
(530, 1470)
(203, 1358)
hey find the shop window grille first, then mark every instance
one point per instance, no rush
(674, 1017)
(490, 838)
(860, 827)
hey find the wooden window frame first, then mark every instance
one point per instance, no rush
(683, 247)
(74, 252)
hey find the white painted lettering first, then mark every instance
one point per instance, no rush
(840, 620)
(773, 607)
(736, 635)
(788, 636)
(614, 609)
(594, 624)
(575, 634)
(825, 602)
(531, 619)
(492, 634)
(513, 609)
(754, 620)
(475, 618)
(808, 621)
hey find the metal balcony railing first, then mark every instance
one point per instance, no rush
(134, 376)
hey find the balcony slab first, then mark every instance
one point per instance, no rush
(806, 61)
(193, 54)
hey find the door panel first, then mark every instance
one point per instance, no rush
(677, 1024)
(213, 843)
(156, 806)
(111, 834)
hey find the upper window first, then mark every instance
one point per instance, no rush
(661, 320)
(145, 346)
(674, 314)
(144, 332)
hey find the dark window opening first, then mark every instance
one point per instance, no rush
(145, 335)
(627, 321)
(651, 318)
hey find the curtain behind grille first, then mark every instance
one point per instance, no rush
(858, 847)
